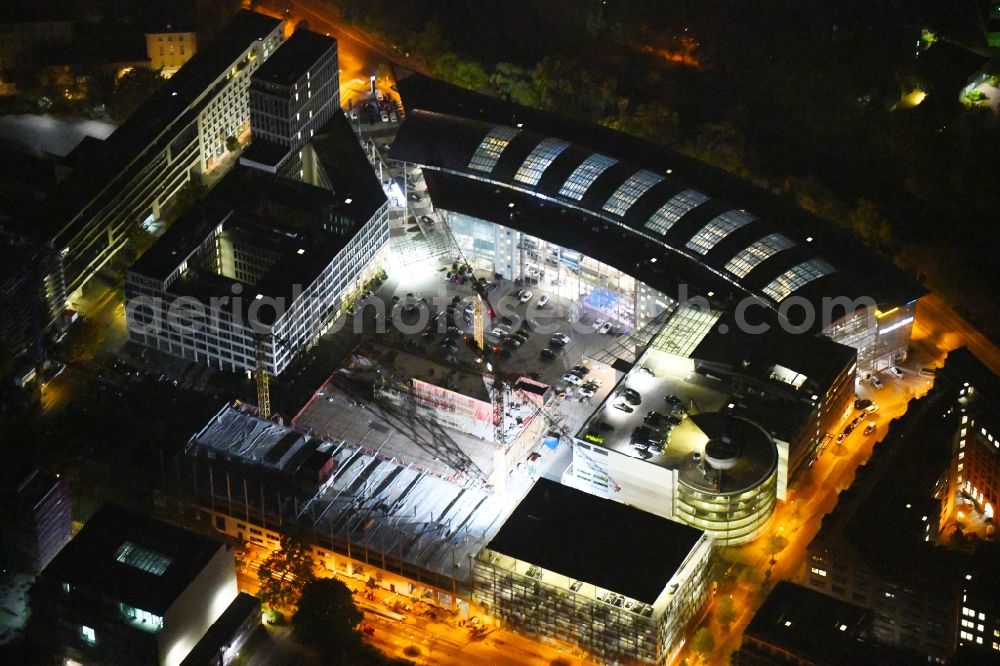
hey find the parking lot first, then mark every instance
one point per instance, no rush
(419, 309)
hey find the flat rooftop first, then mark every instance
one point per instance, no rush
(817, 628)
(599, 541)
(264, 152)
(132, 558)
(357, 193)
(170, 109)
(294, 58)
(275, 213)
(341, 412)
(703, 410)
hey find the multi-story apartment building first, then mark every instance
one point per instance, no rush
(169, 47)
(180, 131)
(292, 96)
(799, 626)
(22, 320)
(37, 515)
(261, 256)
(620, 583)
(974, 471)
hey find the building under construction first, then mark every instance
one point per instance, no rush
(257, 480)
(444, 415)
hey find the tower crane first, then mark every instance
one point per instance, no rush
(481, 308)
(262, 376)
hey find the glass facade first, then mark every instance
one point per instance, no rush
(584, 175)
(629, 192)
(752, 256)
(538, 160)
(795, 278)
(608, 625)
(728, 518)
(492, 146)
(720, 227)
(675, 209)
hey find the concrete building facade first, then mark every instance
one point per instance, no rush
(178, 133)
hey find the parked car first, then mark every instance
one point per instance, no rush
(599, 323)
(870, 428)
(631, 396)
(871, 408)
(646, 371)
(570, 378)
(586, 391)
(499, 332)
(525, 296)
(875, 381)
(580, 370)
(543, 300)
(927, 372)
(862, 403)
(653, 418)
(560, 339)
(602, 426)
(672, 399)
(427, 219)
(605, 329)
(414, 197)
(897, 373)
(549, 354)
(621, 405)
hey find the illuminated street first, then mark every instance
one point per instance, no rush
(937, 331)
(511, 333)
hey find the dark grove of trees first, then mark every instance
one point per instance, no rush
(796, 95)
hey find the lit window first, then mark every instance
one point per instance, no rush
(678, 206)
(797, 277)
(584, 175)
(629, 192)
(88, 634)
(538, 160)
(717, 229)
(752, 256)
(818, 571)
(491, 147)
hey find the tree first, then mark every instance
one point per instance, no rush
(775, 544)
(83, 340)
(285, 573)
(232, 143)
(703, 642)
(326, 619)
(725, 613)
(131, 90)
(464, 73)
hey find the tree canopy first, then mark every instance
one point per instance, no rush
(285, 573)
(326, 621)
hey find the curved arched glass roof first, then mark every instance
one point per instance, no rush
(680, 218)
